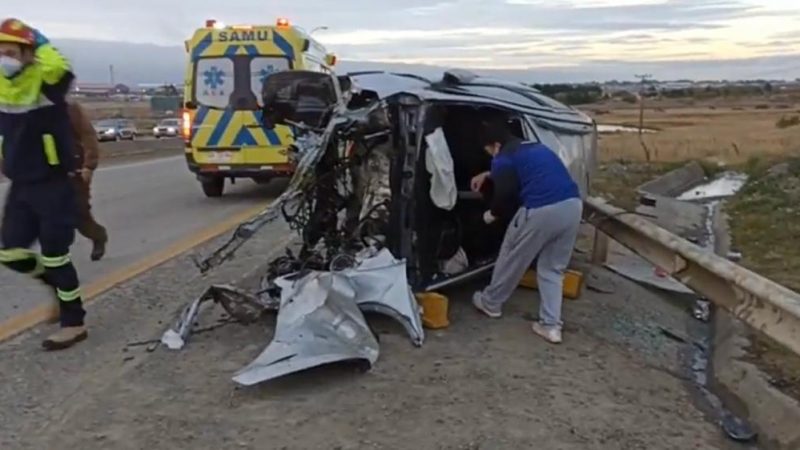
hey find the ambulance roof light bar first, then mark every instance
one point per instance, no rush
(283, 22)
(212, 23)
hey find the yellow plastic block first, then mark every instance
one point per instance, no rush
(573, 282)
(434, 310)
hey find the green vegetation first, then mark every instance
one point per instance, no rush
(572, 94)
(584, 94)
(765, 221)
(766, 216)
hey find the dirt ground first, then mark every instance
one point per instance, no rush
(618, 381)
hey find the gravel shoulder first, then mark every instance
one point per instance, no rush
(616, 383)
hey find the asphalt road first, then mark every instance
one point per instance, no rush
(148, 208)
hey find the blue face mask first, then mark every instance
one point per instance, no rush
(9, 66)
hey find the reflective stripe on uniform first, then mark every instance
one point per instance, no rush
(54, 262)
(68, 296)
(15, 254)
(50, 149)
(24, 109)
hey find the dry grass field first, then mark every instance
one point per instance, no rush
(729, 135)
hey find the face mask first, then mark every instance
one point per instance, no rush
(9, 66)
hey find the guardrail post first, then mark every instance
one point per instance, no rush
(600, 247)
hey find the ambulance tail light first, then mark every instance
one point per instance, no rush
(283, 22)
(187, 117)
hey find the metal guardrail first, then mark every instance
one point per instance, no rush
(766, 306)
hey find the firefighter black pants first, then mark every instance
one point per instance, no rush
(44, 211)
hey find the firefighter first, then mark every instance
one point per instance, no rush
(38, 159)
(86, 157)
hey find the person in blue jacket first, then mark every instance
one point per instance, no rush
(531, 182)
(38, 159)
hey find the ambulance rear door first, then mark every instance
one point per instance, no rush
(227, 127)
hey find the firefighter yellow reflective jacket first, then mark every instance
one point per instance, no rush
(35, 133)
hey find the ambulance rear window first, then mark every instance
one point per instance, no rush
(214, 82)
(261, 68)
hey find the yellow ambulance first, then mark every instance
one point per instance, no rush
(222, 106)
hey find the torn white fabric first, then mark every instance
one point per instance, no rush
(439, 163)
(457, 264)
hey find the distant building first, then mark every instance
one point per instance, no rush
(100, 89)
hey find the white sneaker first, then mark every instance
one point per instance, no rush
(550, 333)
(477, 301)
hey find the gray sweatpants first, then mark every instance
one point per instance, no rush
(548, 233)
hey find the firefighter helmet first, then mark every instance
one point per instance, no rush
(13, 30)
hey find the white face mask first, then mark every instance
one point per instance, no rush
(9, 66)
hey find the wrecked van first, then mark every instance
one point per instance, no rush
(401, 178)
(381, 205)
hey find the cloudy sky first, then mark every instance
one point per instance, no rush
(482, 34)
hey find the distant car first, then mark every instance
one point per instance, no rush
(167, 128)
(115, 130)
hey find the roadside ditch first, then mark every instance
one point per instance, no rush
(750, 384)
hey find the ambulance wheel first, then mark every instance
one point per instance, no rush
(213, 187)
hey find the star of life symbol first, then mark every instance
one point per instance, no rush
(266, 72)
(214, 78)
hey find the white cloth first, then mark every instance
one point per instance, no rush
(457, 264)
(439, 163)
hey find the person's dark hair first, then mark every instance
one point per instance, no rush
(495, 130)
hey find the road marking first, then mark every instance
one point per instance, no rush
(27, 320)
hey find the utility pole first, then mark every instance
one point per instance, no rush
(643, 78)
(111, 75)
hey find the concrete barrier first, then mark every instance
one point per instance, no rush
(675, 182)
(123, 148)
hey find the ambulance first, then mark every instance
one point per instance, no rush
(221, 121)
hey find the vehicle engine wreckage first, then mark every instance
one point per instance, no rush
(380, 200)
